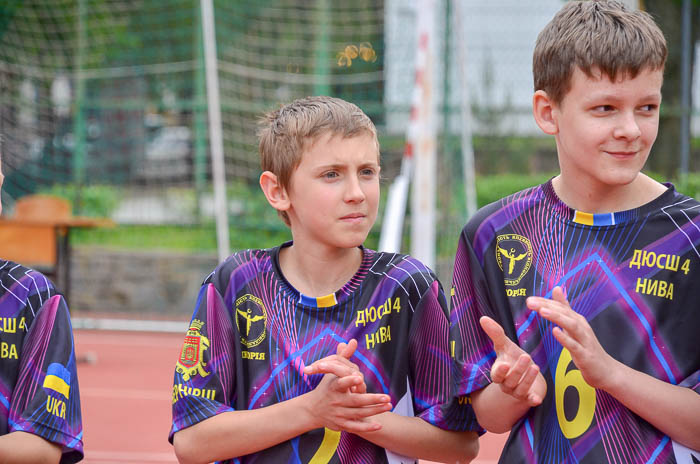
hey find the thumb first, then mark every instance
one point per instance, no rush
(495, 333)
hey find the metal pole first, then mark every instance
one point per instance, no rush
(199, 167)
(215, 128)
(425, 159)
(79, 115)
(322, 84)
(466, 112)
(686, 48)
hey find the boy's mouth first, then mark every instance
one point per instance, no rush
(622, 153)
(353, 216)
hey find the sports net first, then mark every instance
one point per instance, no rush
(104, 102)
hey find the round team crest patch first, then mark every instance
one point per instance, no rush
(514, 257)
(251, 319)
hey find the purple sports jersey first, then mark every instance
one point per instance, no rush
(252, 334)
(632, 274)
(38, 379)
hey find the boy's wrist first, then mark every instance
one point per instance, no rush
(496, 410)
(614, 379)
(304, 413)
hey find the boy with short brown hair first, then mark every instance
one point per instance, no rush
(268, 321)
(575, 306)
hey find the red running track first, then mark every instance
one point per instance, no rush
(126, 397)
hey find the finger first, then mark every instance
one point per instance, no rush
(353, 383)
(550, 312)
(570, 323)
(557, 312)
(347, 383)
(359, 426)
(576, 322)
(344, 362)
(332, 367)
(534, 399)
(359, 388)
(346, 350)
(313, 368)
(499, 370)
(535, 303)
(495, 333)
(343, 359)
(567, 341)
(373, 410)
(328, 366)
(523, 390)
(516, 373)
(366, 400)
(559, 294)
(361, 412)
(310, 369)
(558, 302)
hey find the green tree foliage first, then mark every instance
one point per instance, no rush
(665, 156)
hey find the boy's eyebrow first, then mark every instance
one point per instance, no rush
(323, 167)
(342, 165)
(370, 163)
(592, 97)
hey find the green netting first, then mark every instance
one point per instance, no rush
(111, 93)
(104, 102)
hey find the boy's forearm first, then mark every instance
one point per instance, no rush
(673, 410)
(237, 433)
(414, 437)
(27, 448)
(496, 411)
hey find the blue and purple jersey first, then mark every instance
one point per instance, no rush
(252, 334)
(632, 274)
(38, 379)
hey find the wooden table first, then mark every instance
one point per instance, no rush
(44, 244)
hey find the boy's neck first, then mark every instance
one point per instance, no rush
(315, 272)
(577, 194)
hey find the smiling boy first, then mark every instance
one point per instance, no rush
(271, 369)
(575, 303)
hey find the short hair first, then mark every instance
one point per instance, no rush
(288, 131)
(594, 35)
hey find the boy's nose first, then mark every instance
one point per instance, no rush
(354, 192)
(628, 127)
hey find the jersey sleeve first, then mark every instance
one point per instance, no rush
(429, 360)
(46, 398)
(692, 382)
(204, 377)
(472, 350)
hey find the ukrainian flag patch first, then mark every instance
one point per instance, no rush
(57, 379)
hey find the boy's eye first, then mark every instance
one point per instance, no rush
(330, 175)
(368, 172)
(603, 108)
(650, 107)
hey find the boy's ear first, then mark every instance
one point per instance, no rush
(544, 109)
(276, 194)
